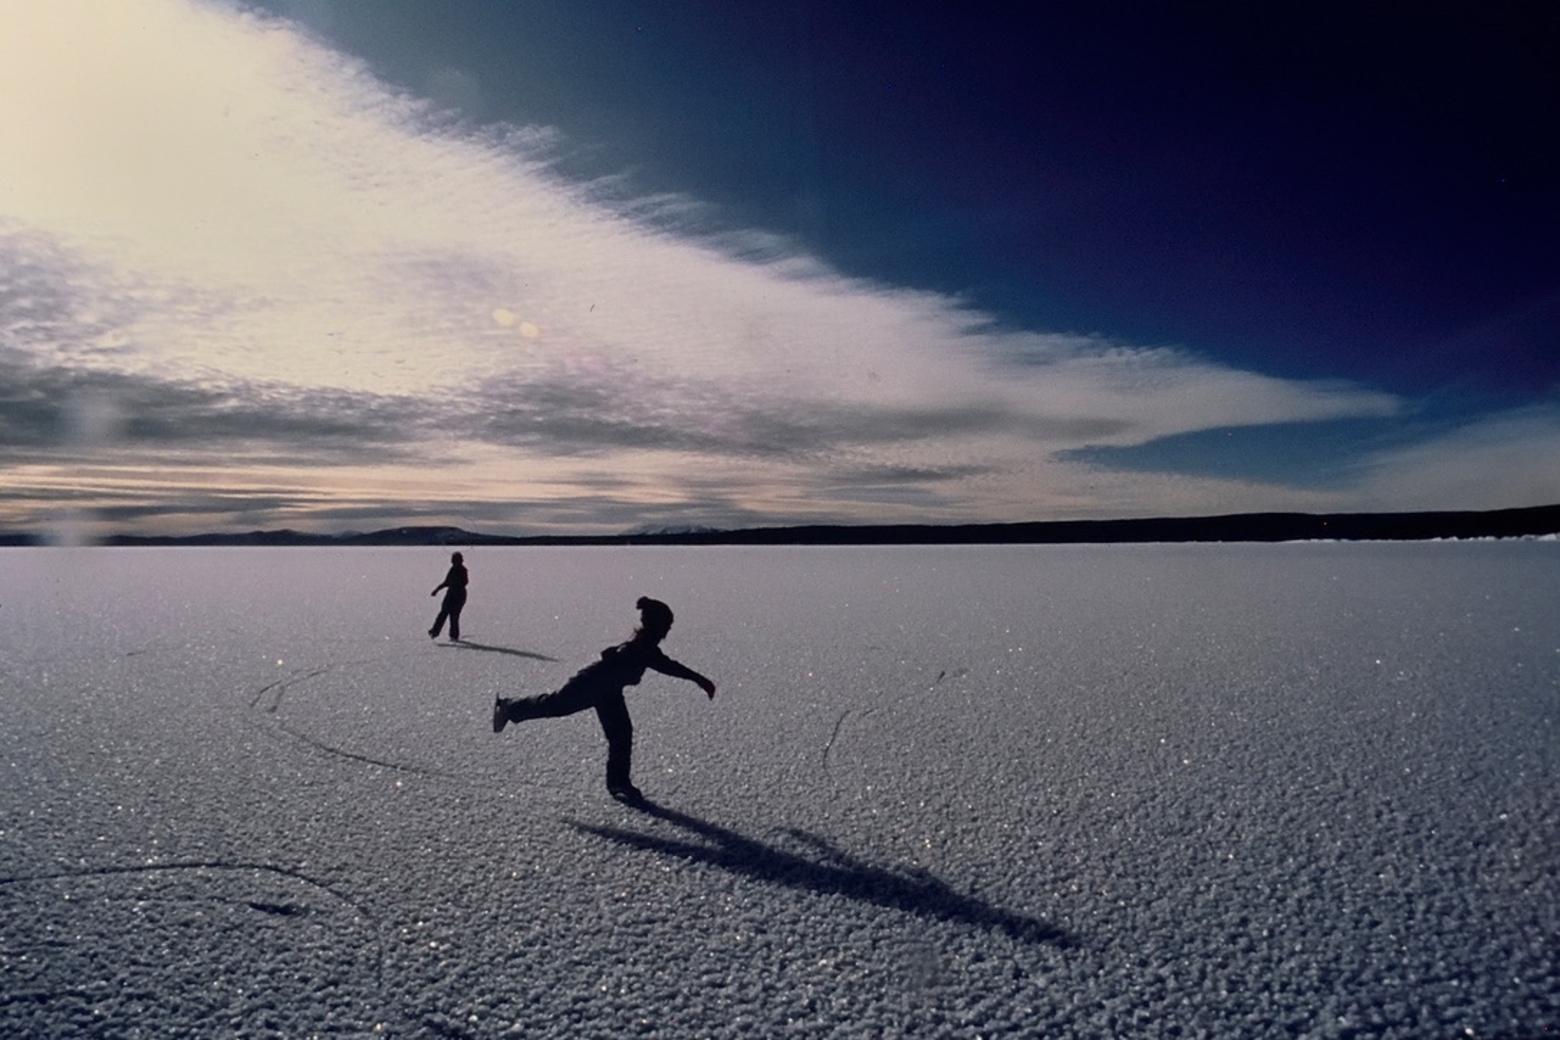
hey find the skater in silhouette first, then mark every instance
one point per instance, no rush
(454, 584)
(600, 685)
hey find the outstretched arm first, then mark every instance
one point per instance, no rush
(678, 670)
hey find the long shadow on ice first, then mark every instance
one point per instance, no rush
(466, 644)
(832, 871)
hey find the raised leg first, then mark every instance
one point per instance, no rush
(561, 702)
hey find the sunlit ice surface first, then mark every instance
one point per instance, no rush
(1299, 790)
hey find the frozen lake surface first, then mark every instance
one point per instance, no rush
(1292, 790)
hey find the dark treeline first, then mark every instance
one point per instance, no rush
(1243, 527)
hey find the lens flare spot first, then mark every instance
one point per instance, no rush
(504, 316)
(529, 330)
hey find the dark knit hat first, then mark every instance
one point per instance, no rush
(653, 613)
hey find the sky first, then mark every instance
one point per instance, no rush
(582, 267)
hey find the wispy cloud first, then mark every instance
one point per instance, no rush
(1510, 459)
(71, 413)
(237, 240)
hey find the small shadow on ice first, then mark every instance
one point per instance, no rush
(829, 870)
(466, 644)
(279, 909)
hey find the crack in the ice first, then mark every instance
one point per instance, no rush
(281, 686)
(839, 724)
(234, 867)
(829, 747)
(355, 757)
(255, 700)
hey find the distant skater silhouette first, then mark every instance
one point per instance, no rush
(454, 584)
(600, 685)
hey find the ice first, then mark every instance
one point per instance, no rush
(1292, 790)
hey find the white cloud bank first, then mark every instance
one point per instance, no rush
(211, 198)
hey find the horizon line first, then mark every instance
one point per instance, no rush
(1516, 522)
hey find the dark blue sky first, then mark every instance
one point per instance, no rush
(1311, 190)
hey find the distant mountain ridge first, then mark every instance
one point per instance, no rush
(1239, 527)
